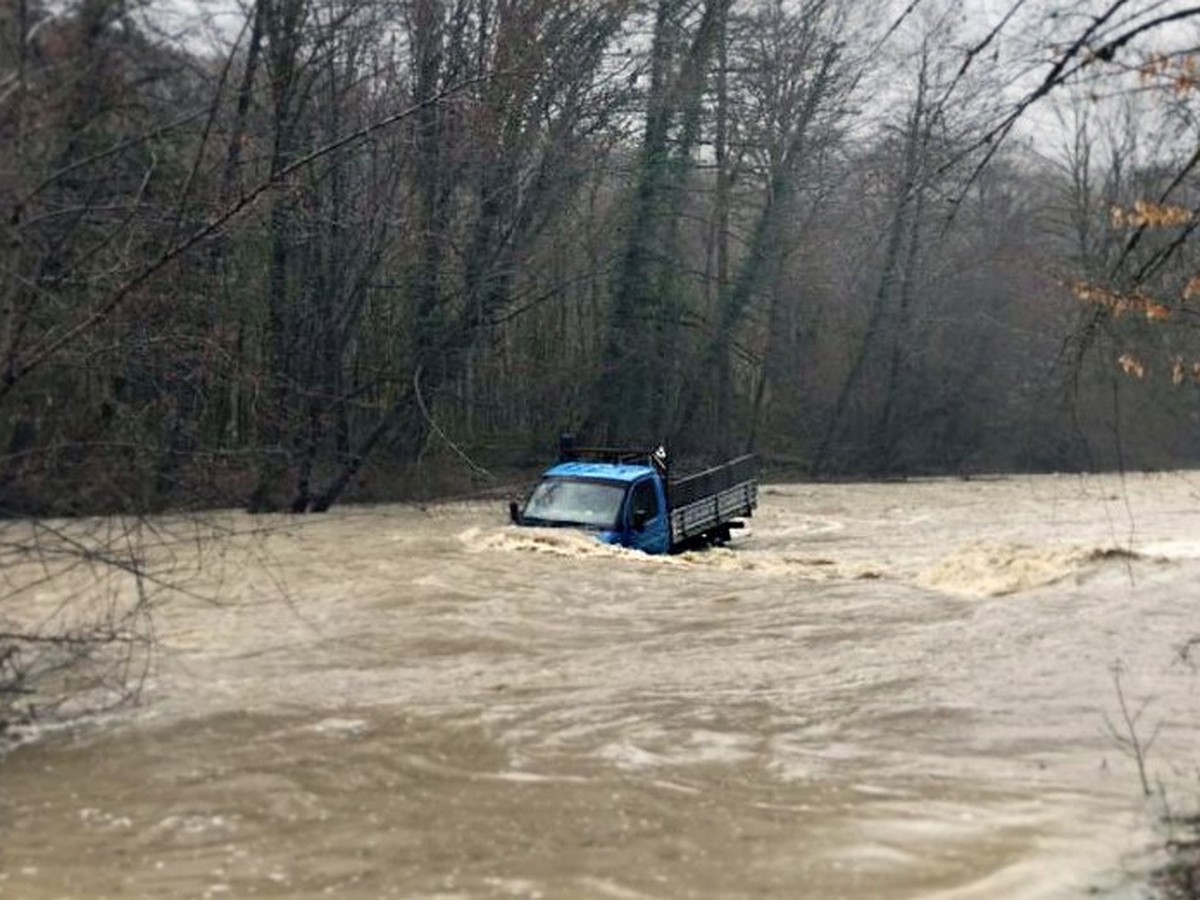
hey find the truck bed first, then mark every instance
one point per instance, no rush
(702, 503)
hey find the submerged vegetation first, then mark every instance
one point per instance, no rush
(1179, 879)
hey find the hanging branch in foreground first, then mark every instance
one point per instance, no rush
(1104, 37)
(437, 429)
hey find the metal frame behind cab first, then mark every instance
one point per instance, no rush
(655, 457)
(713, 481)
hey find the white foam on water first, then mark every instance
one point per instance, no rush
(574, 544)
(996, 569)
(341, 727)
(564, 542)
(520, 777)
(700, 747)
(608, 888)
(1171, 549)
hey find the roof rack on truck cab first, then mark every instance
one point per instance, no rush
(656, 457)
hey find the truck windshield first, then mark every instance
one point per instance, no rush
(560, 501)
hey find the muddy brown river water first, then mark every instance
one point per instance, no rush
(882, 691)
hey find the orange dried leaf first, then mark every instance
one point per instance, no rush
(1131, 366)
(1146, 214)
(1121, 304)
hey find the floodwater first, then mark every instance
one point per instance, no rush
(882, 691)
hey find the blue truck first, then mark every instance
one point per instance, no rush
(628, 498)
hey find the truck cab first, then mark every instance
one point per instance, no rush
(623, 504)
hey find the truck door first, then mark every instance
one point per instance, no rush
(646, 518)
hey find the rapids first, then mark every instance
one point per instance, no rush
(880, 691)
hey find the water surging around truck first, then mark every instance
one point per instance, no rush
(879, 691)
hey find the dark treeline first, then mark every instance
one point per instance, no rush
(367, 236)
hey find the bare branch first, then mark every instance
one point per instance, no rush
(20, 369)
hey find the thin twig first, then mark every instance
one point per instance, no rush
(1127, 738)
(437, 429)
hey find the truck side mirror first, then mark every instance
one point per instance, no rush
(514, 512)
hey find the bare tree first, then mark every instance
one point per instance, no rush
(490, 176)
(636, 384)
(795, 81)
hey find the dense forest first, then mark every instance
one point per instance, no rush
(298, 251)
